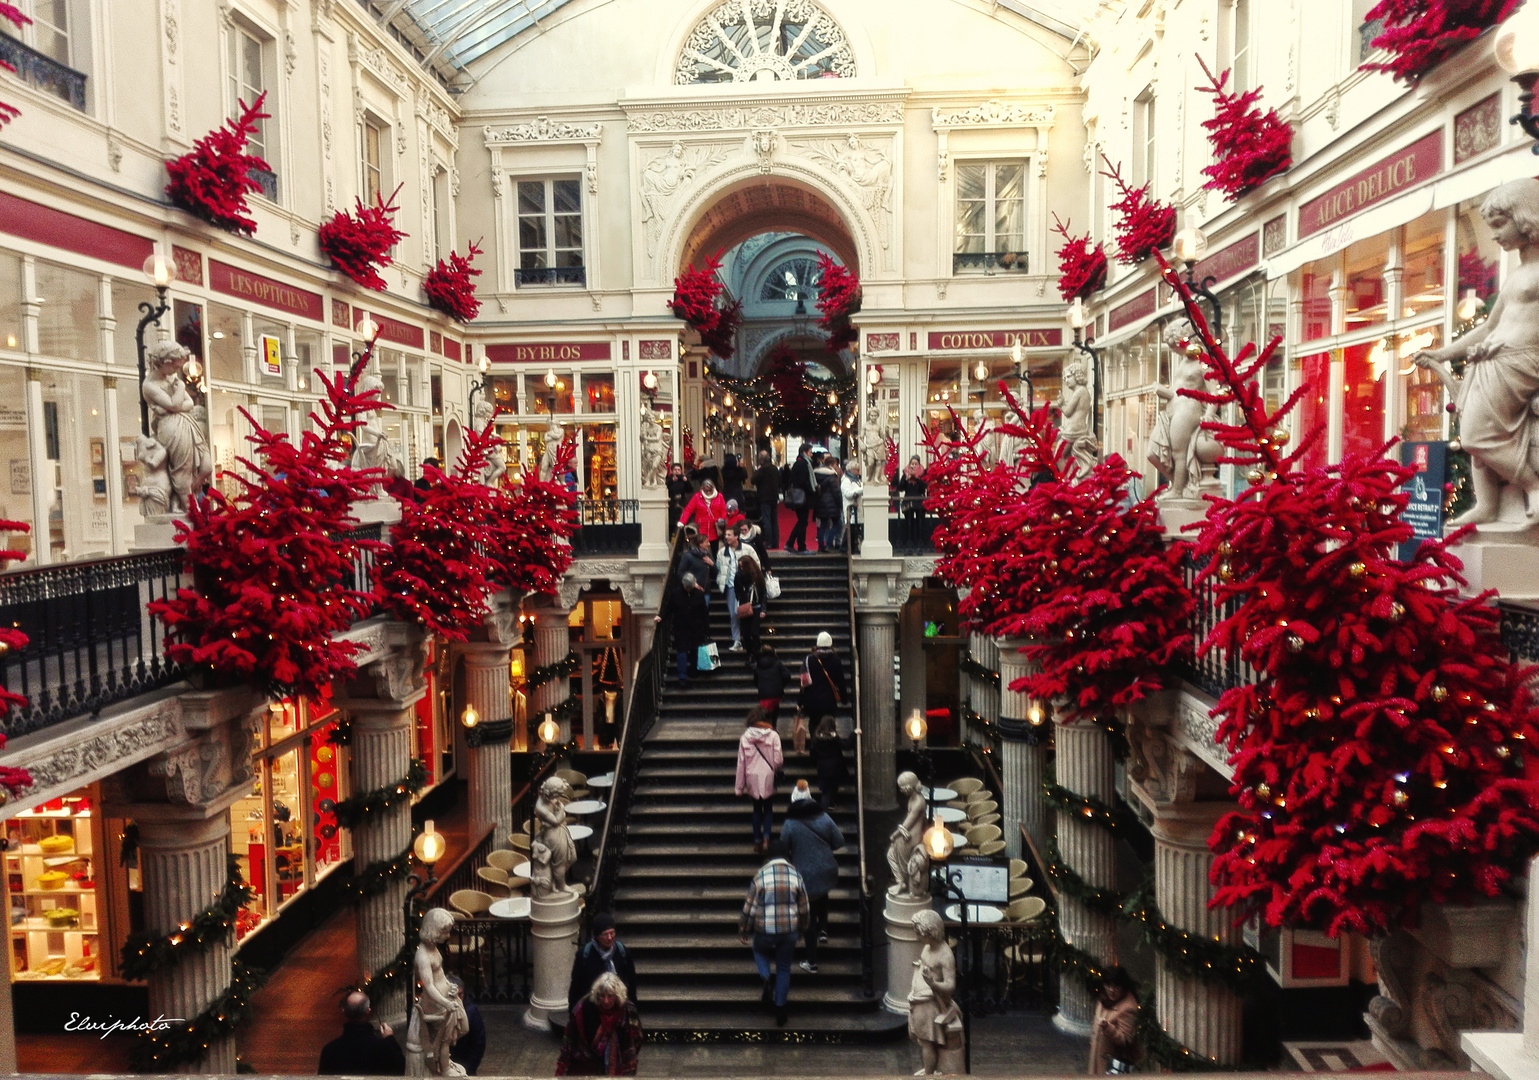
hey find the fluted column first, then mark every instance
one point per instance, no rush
(488, 768)
(183, 865)
(1085, 767)
(1022, 753)
(1204, 1017)
(551, 644)
(381, 752)
(878, 721)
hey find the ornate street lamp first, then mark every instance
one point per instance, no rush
(159, 273)
(1517, 51)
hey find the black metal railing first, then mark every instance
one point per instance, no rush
(607, 527)
(44, 72)
(1366, 33)
(1520, 631)
(92, 641)
(362, 575)
(267, 180)
(989, 262)
(1215, 670)
(492, 958)
(550, 275)
(911, 527)
(868, 904)
(640, 715)
(462, 873)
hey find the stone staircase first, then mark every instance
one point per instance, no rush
(689, 853)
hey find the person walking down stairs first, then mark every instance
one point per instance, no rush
(775, 913)
(811, 838)
(759, 758)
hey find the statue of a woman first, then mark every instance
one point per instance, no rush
(550, 811)
(654, 451)
(440, 1014)
(934, 1021)
(373, 448)
(174, 423)
(907, 841)
(1074, 422)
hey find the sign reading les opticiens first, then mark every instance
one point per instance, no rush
(1402, 170)
(995, 339)
(223, 278)
(548, 352)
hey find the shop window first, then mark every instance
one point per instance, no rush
(990, 215)
(1424, 393)
(1480, 261)
(75, 442)
(1316, 297)
(414, 389)
(126, 298)
(272, 353)
(596, 625)
(66, 319)
(248, 843)
(601, 479)
(310, 352)
(325, 780)
(226, 362)
(189, 334)
(436, 396)
(16, 494)
(251, 63)
(1422, 281)
(227, 437)
(52, 867)
(1362, 411)
(550, 233)
(598, 393)
(390, 373)
(1314, 407)
(537, 396)
(10, 302)
(124, 459)
(1365, 282)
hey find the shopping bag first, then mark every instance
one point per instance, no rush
(771, 587)
(708, 658)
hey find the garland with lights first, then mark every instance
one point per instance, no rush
(358, 244)
(787, 398)
(212, 179)
(564, 668)
(377, 877)
(188, 1041)
(1144, 224)
(969, 666)
(341, 733)
(352, 810)
(1194, 956)
(1069, 883)
(385, 979)
(145, 953)
(1087, 807)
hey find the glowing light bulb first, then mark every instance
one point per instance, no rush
(470, 718)
(430, 845)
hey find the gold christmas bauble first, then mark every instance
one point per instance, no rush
(1225, 548)
(1401, 798)
(1280, 436)
(1194, 350)
(1226, 570)
(1501, 752)
(1358, 569)
(1439, 693)
(1264, 790)
(1256, 475)
(1396, 611)
(1295, 643)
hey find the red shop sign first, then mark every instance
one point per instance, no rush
(1402, 170)
(223, 278)
(393, 329)
(548, 352)
(1136, 308)
(1225, 263)
(950, 341)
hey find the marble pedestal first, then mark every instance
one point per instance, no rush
(554, 934)
(1175, 514)
(156, 533)
(653, 507)
(903, 948)
(1507, 562)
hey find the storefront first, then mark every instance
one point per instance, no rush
(57, 889)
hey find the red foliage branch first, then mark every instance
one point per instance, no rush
(1081, 268)
(1250, 146)
(535, 522)
(1420, 34)
(1144, 224)
(12, 14)
(695, 296)
(267, 599)
(360, 243)
(687, 449)
(891, 463)
(12, 779)
(212, 179)
(721, 336)
(839, 297)
(1379, 752)
(449, 287)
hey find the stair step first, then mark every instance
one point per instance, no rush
(662, 966)
(701, 891)
(807, 991)
(654, 940)
(650, 873)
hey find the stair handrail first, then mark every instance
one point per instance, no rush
(640, 714)
(867, 934)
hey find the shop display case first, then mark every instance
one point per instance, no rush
(51, 879)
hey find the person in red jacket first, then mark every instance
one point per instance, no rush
(707, 511)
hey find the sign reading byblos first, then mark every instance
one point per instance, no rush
(548, 352)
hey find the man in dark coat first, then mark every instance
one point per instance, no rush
(697, 560)
(603, 953)
(766, 481)
(691, 624)
(826, 690)
(471, 1047)
(363, 1049)
(801, 480)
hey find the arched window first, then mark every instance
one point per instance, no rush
(765, 41)
(792, 279)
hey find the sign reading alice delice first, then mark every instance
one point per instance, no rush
(1398, 172)
(1424, 512)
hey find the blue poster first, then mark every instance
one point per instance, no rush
(1424, 513)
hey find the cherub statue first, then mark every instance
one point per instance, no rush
(541, 886)
(1074, 424)
(654, 453)
(439, 1019)
(174, 424)
(873, 443)
(1176, 445)
(907, 840)
(1498, 395)
(155, 483)
(550, 810)
(934, 1020)
(372, 447)
(496, 458)
(554, 433)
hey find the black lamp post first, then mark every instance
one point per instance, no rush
(484, 366)
(160, 276)
(1190, 245)
(1517, 51)
(1023, 373)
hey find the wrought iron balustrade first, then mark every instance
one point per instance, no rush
(1216, 670)
(550, 275)
(268, 180)
(910, 528)
(44, 72)
(989, 262)
(1520, 631)
(361, 576)
(608, 527)
(1366, 33)
(491, 956)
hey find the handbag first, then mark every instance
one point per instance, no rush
(744, 610)
(838, 697)
(771, 586)
(804, 676)
(796, 498)
(707, 657)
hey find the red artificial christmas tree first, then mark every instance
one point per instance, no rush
(211, 180)
(1081, 268)
(359, 244)
(839, 297)
(1063, 560)
(721, 336)
(1420, 34)
(695, 296)
(449, 288)
(267, 599)
(1144, 224)
(534, 522)
(1250, 145)
(12, 14)
(1379, 753)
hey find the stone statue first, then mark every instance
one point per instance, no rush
(438, 1020)
(174, 424)
(550, 810)
(654, 452)
(372, 448)
(1074, 411)
(911, 876)
(1498, 395)
(554, 433)
(540, 885)
(496, 457)
(155, 484)
(873, 443)
(934, 1020)
(1178, 447)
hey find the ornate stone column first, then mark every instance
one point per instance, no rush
(553, 928)
(381, 704)
(488, 768)
(986, 693)
(1085, 767)
(1022, 753)
(551, 644)
(878, 631)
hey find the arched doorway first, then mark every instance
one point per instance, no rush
(767, 204)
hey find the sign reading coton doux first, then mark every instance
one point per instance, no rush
(548, 352)
(1402, 170)
(223, 278)
(995, 339)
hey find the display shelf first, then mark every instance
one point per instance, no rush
(40, 949)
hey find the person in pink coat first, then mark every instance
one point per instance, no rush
(759, 758)
(707, 510)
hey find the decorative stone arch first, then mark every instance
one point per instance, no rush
(758, 350)
(854, 33)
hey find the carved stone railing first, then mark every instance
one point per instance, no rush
(607, 527)
(989, 262)
(549, 275)
(44, 72)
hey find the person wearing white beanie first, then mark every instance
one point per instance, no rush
(822, 679)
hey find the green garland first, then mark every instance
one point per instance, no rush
(969, 666)
(1086, 807)
(188, 1041)
(377, 877)
(1192, 955)
(145, 953)
(1100, 901)
(399, 967)
(341, 733)
(564, 668)
(350, 811)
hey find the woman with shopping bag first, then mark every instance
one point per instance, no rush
(691, 625)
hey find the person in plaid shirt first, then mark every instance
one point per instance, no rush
(775, 913)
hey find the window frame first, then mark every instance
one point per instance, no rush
(1242, 57)
(372, 126)
(991, 237)
(548, 216)
(1146, 147)
(239, 31)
